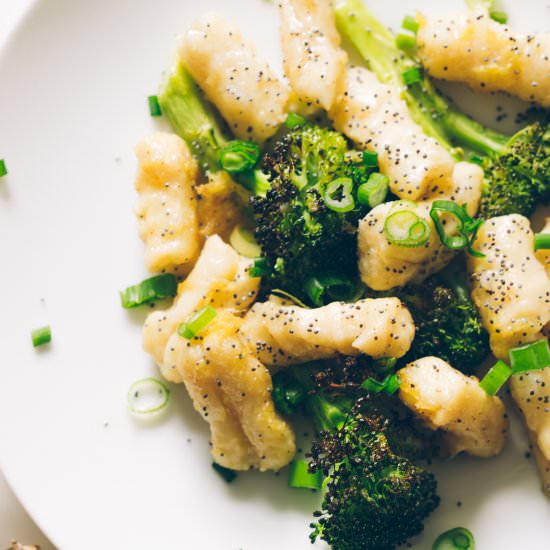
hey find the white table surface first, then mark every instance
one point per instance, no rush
(14, 521)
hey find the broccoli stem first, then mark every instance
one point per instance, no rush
(327, 415)
(197, 122)
(192, 118)
(435, 113)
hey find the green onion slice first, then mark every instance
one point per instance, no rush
(466, 230)
(299, 476)
(239, 156)
(374, 191)
(197, 322)
(294, 120)
(499, 16)
(405, 228)
(410, 24)
(412, 76)
(338, 195)
(260, 268)
(243, 241)
(542, 241)
(389, 385)
(155, 288)
(41, 336)
(225, 473)
(332, 285)
(147, 396)
(154, 106)
(458, 538)
(405, 42)
(535, 356)
(370, 159)
(3, 168)
(495, 378)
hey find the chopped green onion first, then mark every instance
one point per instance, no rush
(466, 230)
(389, 385)
(260, 268)
(197, 322)
(3, 168)
(299, 476)
(294, 120)
(499, 16)
(542, 241)
(154, 106)
(370, 158)
(338, 195)
(405, 41)
(243, 241)
(495, 378)
(148, 395)
(337, 287)
(239, 156)
(225, 473)
(535, 356)
(41, 336)
(458, 538)
(405, 228)
(374, 191)
(412, 76)
(410, 23)
(155, 288)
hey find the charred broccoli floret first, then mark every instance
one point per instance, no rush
(518, 179)
(447, 323)
(517, 168)
(375, 497)
(307, 221)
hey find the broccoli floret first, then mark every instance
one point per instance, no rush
(447, 323)
(307, 221)
(518, 180)
(517, 168)
(375, 497)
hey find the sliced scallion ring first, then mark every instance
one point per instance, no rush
(154, 288)
(334, 286)
(535, 356)
(239, 156)
(495, 378)
(147, 396)
(338, 195)
(197, 322)
(374, 191)
(243, 241)
(405, 228)
(466, 230)
(458, 538)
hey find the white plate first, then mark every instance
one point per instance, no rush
(74, 81)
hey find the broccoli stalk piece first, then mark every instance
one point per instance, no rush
(198, 123)
(517, 168)
(307, 221)
(373, 498)
(447, 323)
